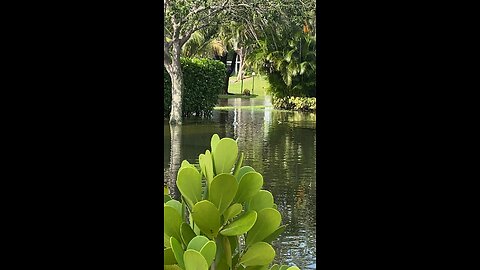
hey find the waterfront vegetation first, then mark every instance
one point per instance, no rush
(224, 220)
(202, 83)
(307, 104)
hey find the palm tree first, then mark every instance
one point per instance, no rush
(291, 68)
(204, 44)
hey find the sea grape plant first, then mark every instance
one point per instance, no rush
(224, 221)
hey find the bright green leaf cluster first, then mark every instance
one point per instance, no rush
(231, 220)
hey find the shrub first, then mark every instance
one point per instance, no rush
(203, 80)
(295, 103)
(224, 220)
(289, 64)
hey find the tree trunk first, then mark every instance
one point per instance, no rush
(176, 75)
(175, 159)
(241, 54)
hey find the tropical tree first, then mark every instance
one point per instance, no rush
(182, 19)
(290, 70)
(203, 44)
(286, 52)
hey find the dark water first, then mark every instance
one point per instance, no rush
(278, 144)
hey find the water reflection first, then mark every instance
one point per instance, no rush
(282, 147)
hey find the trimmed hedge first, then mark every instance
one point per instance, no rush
(295, 103)
(203, 80)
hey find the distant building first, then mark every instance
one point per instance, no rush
(237, 65)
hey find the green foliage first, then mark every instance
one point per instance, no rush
(222, 191)
(194, 260)
(295, 103)
(241, 225)
(290, 64)
(259, 254)
(231, 220)
(203, 80)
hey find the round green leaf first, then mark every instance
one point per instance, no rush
(195, 228)
(227, 248)
(201, 161)
(249, 185)
(186, 233)
(177, 251)
(293, 268)
(214, 141)
(208, 167)
(175, 204)
(222, 191)
(225, 155)
(221, 255)
(166, 240)
(241, 225)
(207, 218)
(232, 211)
(275, 234)
(189, 183)
(168, 257)
(185, 163)
(275, 267)
(238, 165)
(208, 251)
(268, 220)
(171, 221)
(243, 170)
(263, 199)
(259, 253)
(194, 260)
(197, 242)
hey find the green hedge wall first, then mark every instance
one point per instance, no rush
(203, 80)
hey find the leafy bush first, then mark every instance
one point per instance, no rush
(203, 80)
(224, 220)
(289, 63)
(295, 103)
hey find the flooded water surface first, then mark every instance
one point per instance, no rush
(280, 145)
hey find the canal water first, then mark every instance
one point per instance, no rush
(281, 145)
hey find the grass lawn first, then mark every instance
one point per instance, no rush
(259, 91)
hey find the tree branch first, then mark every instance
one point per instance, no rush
(203, 9)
